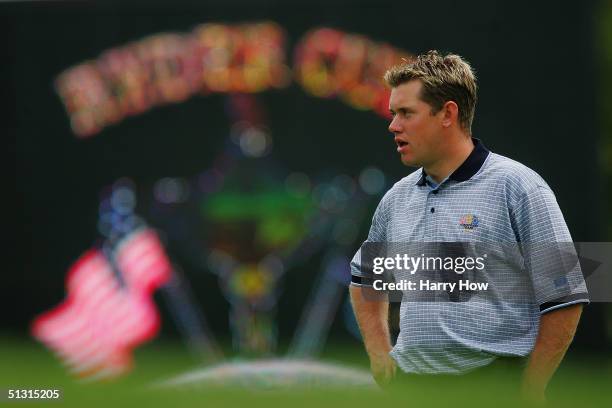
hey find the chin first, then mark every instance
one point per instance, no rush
(408, 162)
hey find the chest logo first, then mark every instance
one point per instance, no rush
(469, 222)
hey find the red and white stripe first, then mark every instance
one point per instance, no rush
(142, 261)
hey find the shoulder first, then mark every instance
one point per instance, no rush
(405, 186)
(399, 192)
(517, 179)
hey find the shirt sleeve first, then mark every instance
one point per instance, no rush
(363, 276)
(549, 254)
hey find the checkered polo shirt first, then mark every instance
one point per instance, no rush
(489, 199)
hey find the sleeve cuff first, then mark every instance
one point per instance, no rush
(564, 302)
(361, 281)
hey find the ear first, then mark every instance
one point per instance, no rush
(450, 113)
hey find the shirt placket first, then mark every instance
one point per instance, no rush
(431, 215)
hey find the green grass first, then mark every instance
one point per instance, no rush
(581, 381)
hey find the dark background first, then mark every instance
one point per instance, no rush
(537, 64)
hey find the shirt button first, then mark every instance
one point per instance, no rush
(435, 192)
(432, 210)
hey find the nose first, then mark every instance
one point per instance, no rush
(394, 126)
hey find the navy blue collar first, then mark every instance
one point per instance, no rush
(468, 168)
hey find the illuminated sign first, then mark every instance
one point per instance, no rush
(218, 58)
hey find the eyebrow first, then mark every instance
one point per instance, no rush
(402, 110)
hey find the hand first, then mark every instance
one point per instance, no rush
(383, 368)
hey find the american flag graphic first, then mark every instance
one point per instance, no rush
(101, 321)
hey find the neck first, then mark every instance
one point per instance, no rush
(453, 155)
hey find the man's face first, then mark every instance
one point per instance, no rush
(417, 132)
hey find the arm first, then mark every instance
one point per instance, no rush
(537, 218)
(372, 314)
(557, 329)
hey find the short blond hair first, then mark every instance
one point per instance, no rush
(444, 78)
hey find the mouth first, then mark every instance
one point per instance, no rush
(400, 145)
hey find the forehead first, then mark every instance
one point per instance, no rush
(406, 94)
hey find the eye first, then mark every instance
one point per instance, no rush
(405, 113)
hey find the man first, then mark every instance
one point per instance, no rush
(463, 192)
